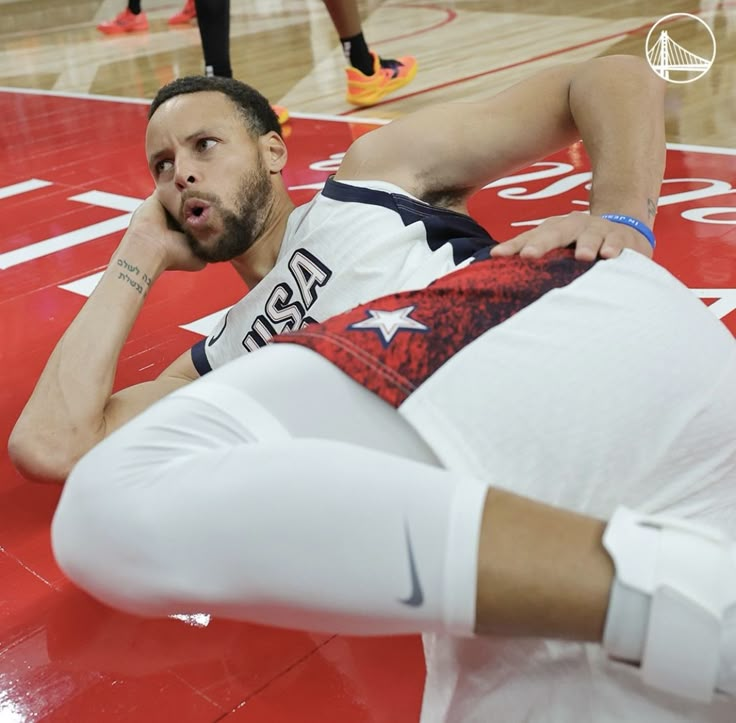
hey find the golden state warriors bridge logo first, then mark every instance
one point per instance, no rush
(680, 48)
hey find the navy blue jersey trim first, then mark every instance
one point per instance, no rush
(442, 225)
(483, 254)
(199, 359)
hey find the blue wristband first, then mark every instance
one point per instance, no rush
(642, 228)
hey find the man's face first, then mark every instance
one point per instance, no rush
(209, 173)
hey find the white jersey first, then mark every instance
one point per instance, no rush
(352, 242)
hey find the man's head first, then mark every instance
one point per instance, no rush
(215, 152)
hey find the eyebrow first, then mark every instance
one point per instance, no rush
(152, 160)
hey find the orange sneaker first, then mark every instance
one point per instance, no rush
(367, 90)
(281, 113)
(187, 13)
(124, 22)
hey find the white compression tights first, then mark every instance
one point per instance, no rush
(275, 490)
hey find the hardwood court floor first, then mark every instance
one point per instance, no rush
(71, 172)
(288, 49)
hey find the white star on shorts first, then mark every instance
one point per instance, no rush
(387, 324)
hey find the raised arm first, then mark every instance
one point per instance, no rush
(445, 153)
(71, 408)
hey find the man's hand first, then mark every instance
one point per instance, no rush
(154, 227)
(72, 408)
(593, 236)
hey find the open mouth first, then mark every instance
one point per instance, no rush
(196, 212)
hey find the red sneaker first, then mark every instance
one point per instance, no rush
(124, 22)
(187, 13)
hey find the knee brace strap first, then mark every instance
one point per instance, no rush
(688, 573)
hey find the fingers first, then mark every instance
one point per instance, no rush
(554, 233)
(589, 244)
(593, 237)
(512, 246)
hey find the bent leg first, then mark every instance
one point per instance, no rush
(206, 502)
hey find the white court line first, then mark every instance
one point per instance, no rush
(108, 200)
(339, 118)
(69, 94)
(725, 303)
(701, 149)
(81, 235)
(202, 326)
(65, 241)
(206, 324)
(311, 116)
(144, 101)
(84, 286)
(317, 186)
(23, 187)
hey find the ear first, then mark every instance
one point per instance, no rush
(273, 150)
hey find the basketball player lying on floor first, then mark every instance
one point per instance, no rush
(216, 156)
(361, 476)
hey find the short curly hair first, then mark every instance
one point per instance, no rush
(253, 107)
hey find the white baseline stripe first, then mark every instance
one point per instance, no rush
(81, 96)
(65, 241)
(23, 187)
(339, 118)
(309, 116)
(144, 101)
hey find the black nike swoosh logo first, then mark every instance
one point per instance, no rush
(211, 341)
(416, 599)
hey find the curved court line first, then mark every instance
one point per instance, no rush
(449, 13)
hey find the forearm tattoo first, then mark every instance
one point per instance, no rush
(141, 283)
(652, 208)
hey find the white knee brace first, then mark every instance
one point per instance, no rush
(673, 603)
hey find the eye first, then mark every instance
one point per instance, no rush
(204, 144)
(163, 167)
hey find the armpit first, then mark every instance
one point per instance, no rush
(454, 199)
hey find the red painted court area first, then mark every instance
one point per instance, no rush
(71, 172)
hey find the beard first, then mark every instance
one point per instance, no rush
(240, 228)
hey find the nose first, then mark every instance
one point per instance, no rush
(185, 177)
